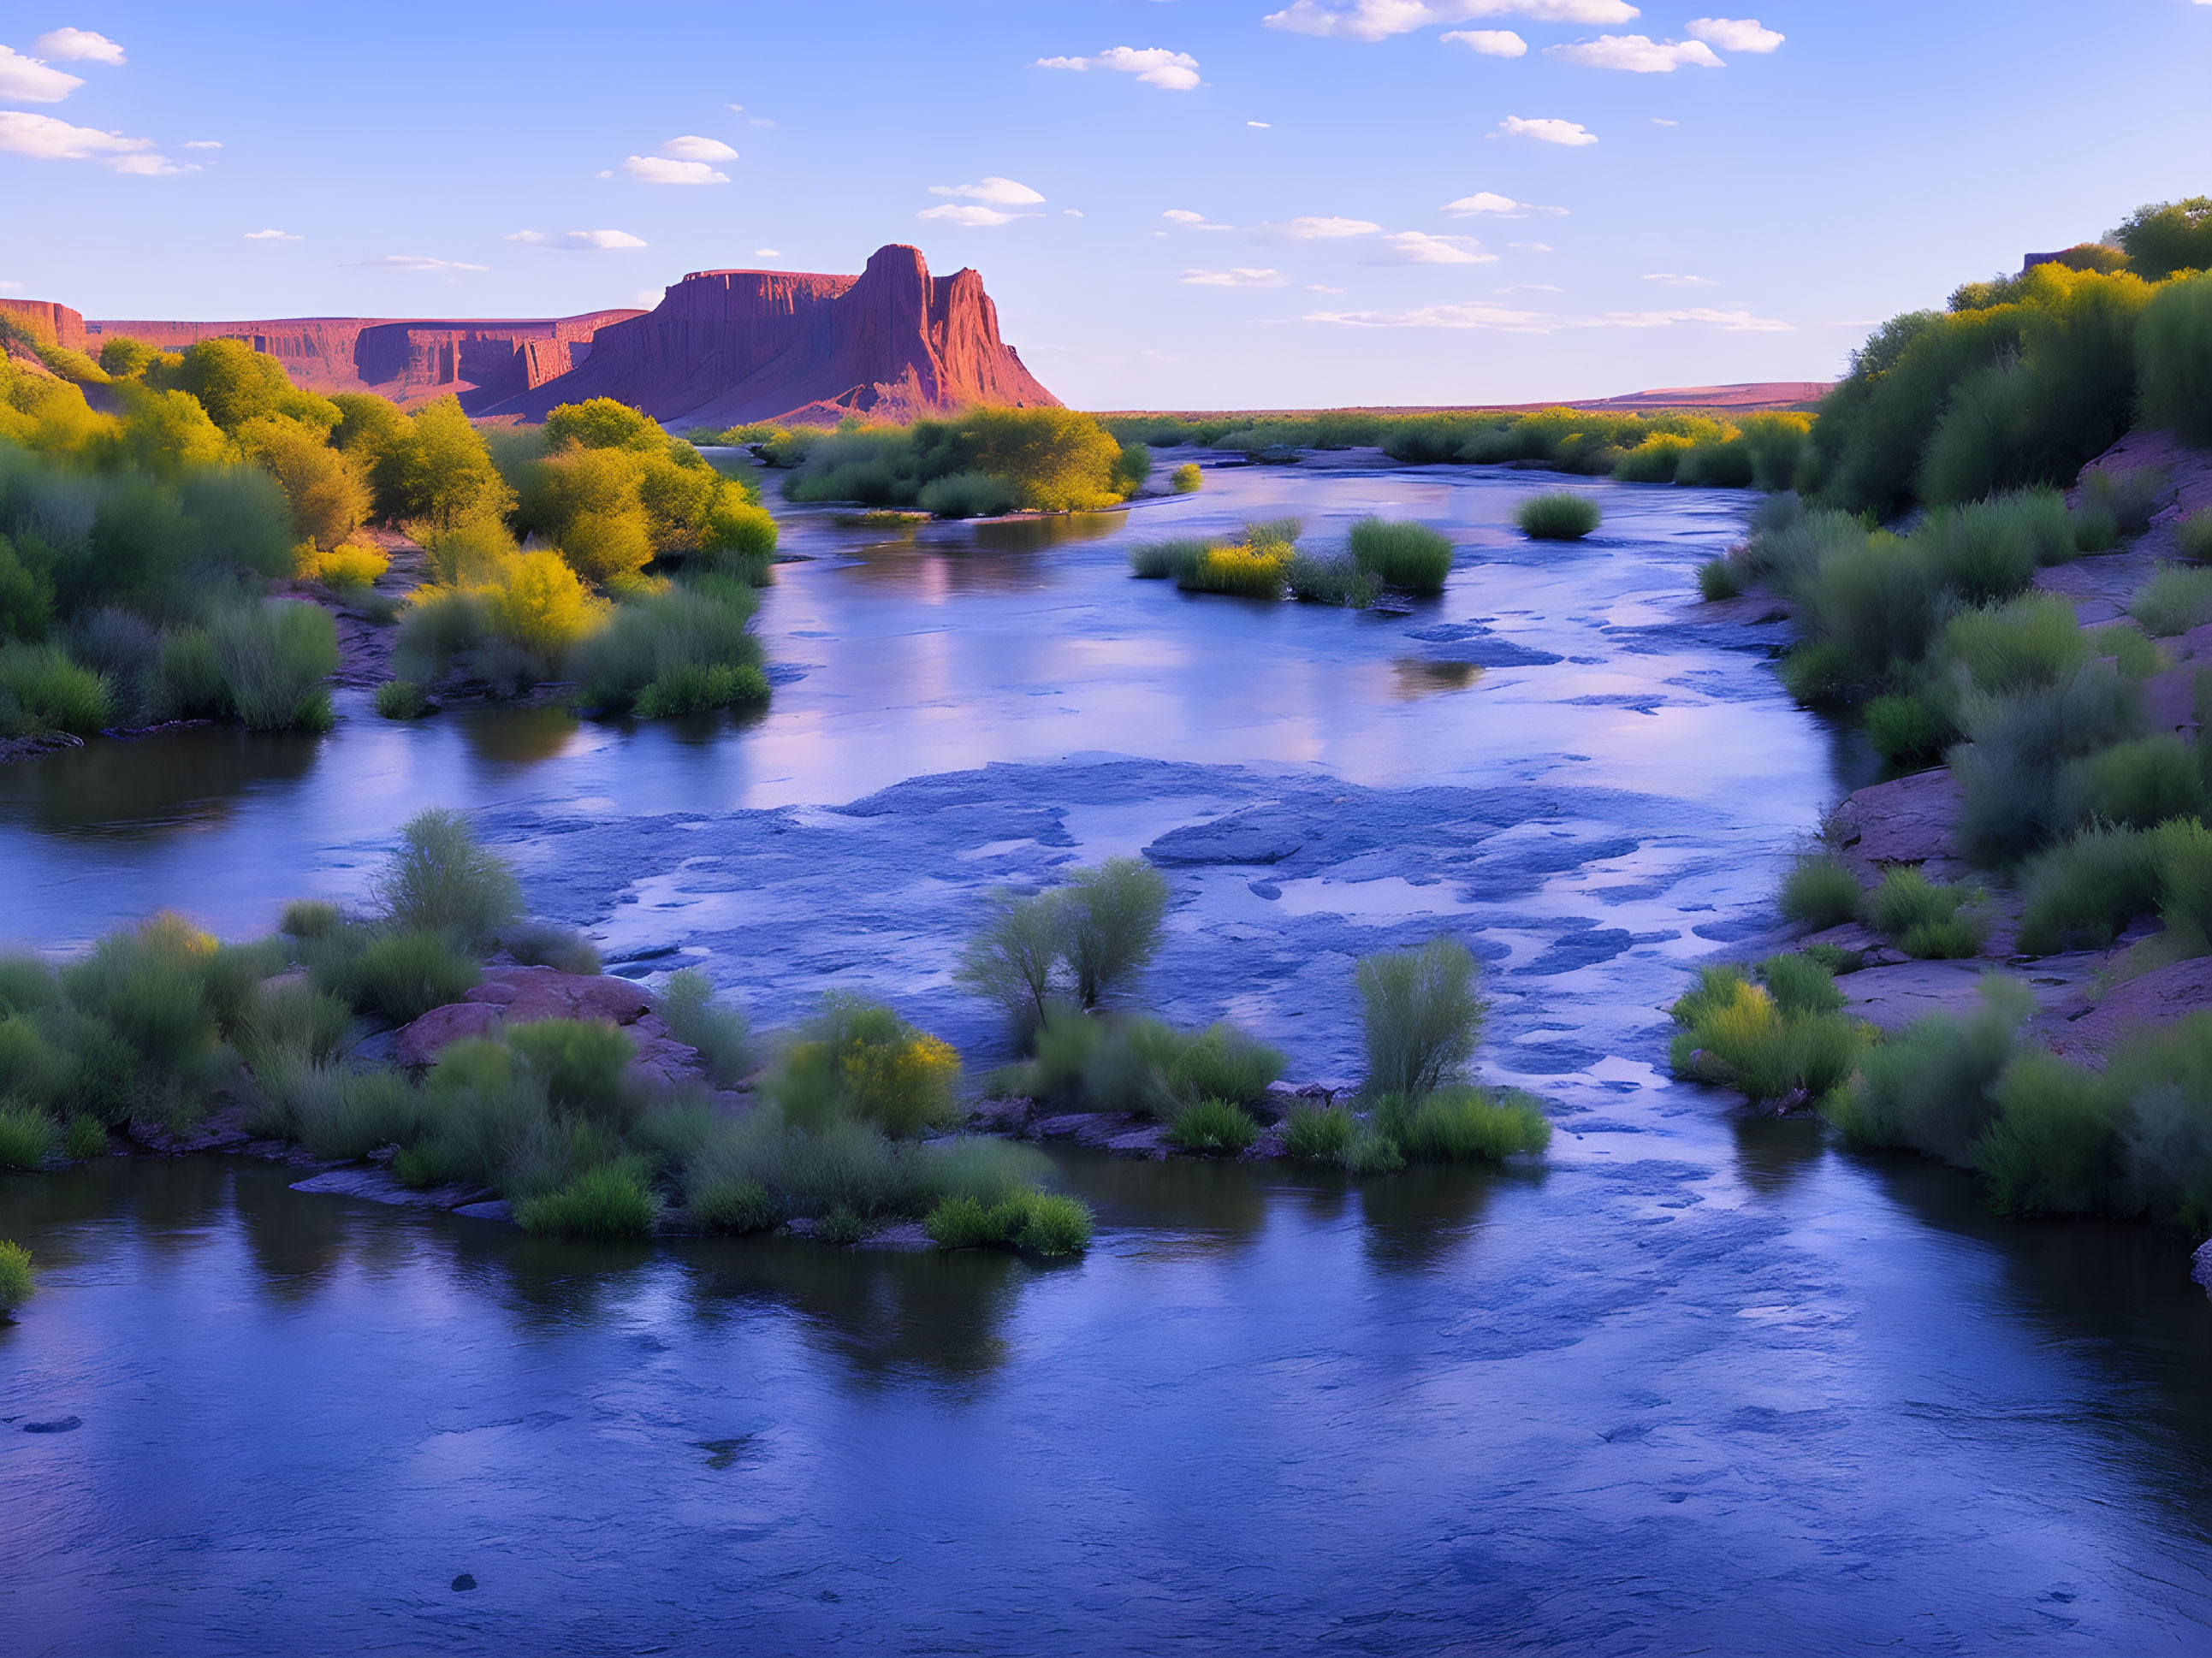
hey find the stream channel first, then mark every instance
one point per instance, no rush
(1696, 1382)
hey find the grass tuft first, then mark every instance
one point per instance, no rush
(1213, 1127)
(1561, 515)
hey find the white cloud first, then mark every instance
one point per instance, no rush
(602, 238)
(1744, 34)
(82, 46)
(1674, 279)
(736, 109)
(659, 170)
(1470, 315)
(1312, 228)
(1183, 216)
(44, 138)
(1156, 66)
(202, 143)
(692, 148)
(1503, 207)
(1242, 276)
(287, 236)
(1531, 247)
(1376, 20)
(530, 236)
(1639, 54)
(973, 215)
(1072, 212)
(26, 80)
(1733, 322)
(1323, 288)
(410, 262)
(1263, 126)
(1530, 288)
(758, 121)
(766, 253)
(1545, 129)
(152, 167)
(1000, 192)
(1491, 43)
(1418, 247)
(1662, 121)
(10, 287)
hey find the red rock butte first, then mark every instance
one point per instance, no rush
(721, 348)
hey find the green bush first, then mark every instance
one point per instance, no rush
(2176, 599)
(1214, 1128)
(1222, 1063)
(343, 1113)
(15, 1285)
(274, 658)
(84, 1136)
(2051, 1149)
(1799, 984)
(544, 944)
(1954, 939)
(2080, 893)
(2096, 529)
(2174, 358)
(1561, 515)
(1411, 557)
(1261, 570)
(401, 698)
(1736, 1035)
(1719, 579)
(693, 641)
(405, 974)
(964, 495)
(1374, 1154)
(578, 1062)
(858, 1061)
(610, 1201)
(2010, 774)
(28, 1135)
(439, 880)
(695, 687)
(1044, 1223)
(2181, 857)
(2164, 1073)
(1905, 731)
(2193, 537)
(1819, 893)
(1011, 960)
(1111, 919)
(1322, 1134)
(34, 1073)
(733, 1205)
(309, 918)
(1928, 1087)
(1057, 1225)
(1165, 561)
(150, 984)
(1907, 899)
(1421, 1016)
(290, 1019)
(41, 689)
(1460, 1124)
(1820, 673)
(2140, 784)
(2032, 640)
(1185, 479)
(1315, 578)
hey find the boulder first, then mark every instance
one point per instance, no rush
(421, 1042)
(1913, 820)
(525, 995)
(2086, 1030)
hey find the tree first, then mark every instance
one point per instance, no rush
(2165, 237)
(367, 426)
(1110, 922)
(439, 470)
(328, 491)
(124, 356)
(602, 424)
(165, 432)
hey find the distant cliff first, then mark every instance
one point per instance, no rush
(728, 346)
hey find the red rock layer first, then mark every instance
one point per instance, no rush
(483, 361)
(52, 323)
(728, 346)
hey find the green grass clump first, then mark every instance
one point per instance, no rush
(15, 1285)
(2139, 784)
(84, 1136)
(2181, 859)
(405, 974)
(1373, 1153)
(733, 1205)
(2130, 494)
(1045, 1223)
(440, 880)
(1905, 730)
(274, 659)
(1463, 1125)
(309, 918)
(1222, 1063)
(2080, 893)
(2013, 773)
(2033, 639)
(2194, 537)
(2096, 529)
(2134, 656)
(858, 1061)
(288, 1020)
(578, 1061)
(1740, 1035)
(964, 495)
(1214, 1128)
(2051, 1149)
(1819, 893)
(1185, 479)
(1719, 579)
(1318, 579)
(1251, 572)
(2176, 599)
(1928, 1087)
(1561, 515)
(1319, 1134)
(1921, 916)
(1800, 984)
(1421, 1016)
(42, 690)
(1820, 673)
(401, 698)
(1168, 561)
(610, 1201)
(28, 1135)
(544, 944)
(342, 1114)
(1411, 557)
(720, 1035)
(684, 649)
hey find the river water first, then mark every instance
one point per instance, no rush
(1699, 1382)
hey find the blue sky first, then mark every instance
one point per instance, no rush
(1177, 203)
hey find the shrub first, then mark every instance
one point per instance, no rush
(15, 1285)
(610, 1201)
(46, 691)
(543, 944)
(1927, 1087)
(2032, 640)
(1185, 479)
(28, 1135)
(1411, 557)
(579, 1061)
(34, 1073)
(401, 698)
(2181, 857)
(2164, 1073)
(2194, 537)
(693, 643)
(1315, 579)
(1421, 1015)
(1954, 939)
(858, 1059)
(439, 879)
(1905, 731)
(406, 974)
(274, 659)
(290, 1019)
(1460, 1124)
(343, 1113)
(151, 985)
(1011, 960)
(1214, 1128)
(1819, 893)
(733, 1205)
(2176, 599)
(2096, 529)
(2173, 357)
(349, 566)
(309, 918)
(2140, 783)
(1374, 1154)
(1821, 672)
(2051, 1150)
(1127, 1065)
(1225, 1064)
(1042, 1222)
(964, 495)
(2080, 893)
(1736, 1035)
(1161, 561)
(86, 1136)
(1321, 1134)
(1799, 984)
(1253, 572)
(1057, 1225)
(1110, 919)
(2010, 774)
(1906, 899)
(1719, 579)
(1561, 515)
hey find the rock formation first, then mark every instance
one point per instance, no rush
(728, 346)
(46, 322)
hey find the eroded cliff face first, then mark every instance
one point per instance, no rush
(482, 361)
(727, 346)
(47, 323)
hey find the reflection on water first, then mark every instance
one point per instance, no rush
(1417, 676)
(180, 780)
(516, 737)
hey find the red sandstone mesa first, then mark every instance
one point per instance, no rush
(722, 347)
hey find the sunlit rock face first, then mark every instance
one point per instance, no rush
(728, 346)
